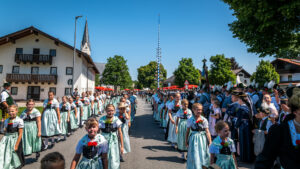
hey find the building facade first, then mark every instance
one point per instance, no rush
(288, 70)
(242, 76)
(35, 62)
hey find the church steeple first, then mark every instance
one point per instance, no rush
(85, 44)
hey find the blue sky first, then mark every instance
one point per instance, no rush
(189, 28)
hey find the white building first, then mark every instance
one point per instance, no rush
(289, 71)
(242, 76)
(35, 62)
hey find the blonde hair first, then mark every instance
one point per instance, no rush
(294, 102)
(184, 101)
(110, 105)
(91, 122)
(196, 105)
(220, 125)
(14, 106)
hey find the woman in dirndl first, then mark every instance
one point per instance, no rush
(50, 120)
(73, 116)
(92, 104)
(93, 147)
(223, 148)
(65, 109)
(32, 142)
(173, 109)
(110, 126)
(79, 107)
(181, 128)
(96, 104)
(197, 139)
(11, 153)
(86, 102)
(124, 118)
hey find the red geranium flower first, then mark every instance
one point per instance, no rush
(10, 123)
(92, 143)
(177, 105)
(185, 112)
(222, 143)
(199, 121)
(298, 142)
(120, 116)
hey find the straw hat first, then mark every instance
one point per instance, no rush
(121, 105)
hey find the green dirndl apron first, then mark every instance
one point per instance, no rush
(30, 141)
(49, 123)
(182, 129)
(64, 122)
(85, 112)
(73, 120)
(93, 163)
(8, 157)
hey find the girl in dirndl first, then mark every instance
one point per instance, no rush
(32, 142)
(93, 147)
(182, 115)
(124, 118)
(79, 107)
(92, 104)
(173, 108)
(86, 102)
(197, 139)
(11, 153)
(73, 115)
(110, 126)
(96, 104)
(223, 148)
(50, 120)
(65, 108)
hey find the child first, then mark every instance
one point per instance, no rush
(92, 146)
(31, 140)
(86, 102)
(53, 161)
(111, 130)
(182, 115)
(223, 148)
(198, 139)
(214, 116)
(173, 108)
(124, 118)
(11, 153)
(79, 107)
(50, 119)
(64, 107)
(73, 116)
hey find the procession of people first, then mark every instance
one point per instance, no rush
(219, 126)
(32, 131)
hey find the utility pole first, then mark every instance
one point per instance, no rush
(74, 53)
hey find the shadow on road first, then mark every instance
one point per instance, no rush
(162, 148)
(173, 159)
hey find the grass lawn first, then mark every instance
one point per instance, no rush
(21, 109)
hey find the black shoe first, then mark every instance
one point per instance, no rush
(121, 159)
(51, 146)
(37, 156)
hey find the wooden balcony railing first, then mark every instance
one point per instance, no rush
(33, 58)
(31, 78)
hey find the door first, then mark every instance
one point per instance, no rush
(33, 92)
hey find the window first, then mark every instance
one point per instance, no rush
(69, 70)
(19, 50)
(14, 90)
(67, 91)
(36, 51)
(241, 75)
(53, 71)
(245, 81)
(16, 69)
(70, 82)
(290, 78)
(52, 89)
(52, 52)
(34, 70)
(1, 68)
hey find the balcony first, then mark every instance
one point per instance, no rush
(33, 58)
(31, 78)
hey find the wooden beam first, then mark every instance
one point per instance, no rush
(9, 39)
(56, 42)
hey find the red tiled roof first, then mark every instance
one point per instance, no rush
(292, 61)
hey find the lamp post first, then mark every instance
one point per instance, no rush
(74, 52)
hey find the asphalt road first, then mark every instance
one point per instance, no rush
(149, 149)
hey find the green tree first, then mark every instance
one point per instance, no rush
(147, 75)
(116, 72)
(97, 80)
(220, 70)
(234, 64)
(265, 72)
(267, 27)
(186, 71)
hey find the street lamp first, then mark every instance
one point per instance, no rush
(74, 52)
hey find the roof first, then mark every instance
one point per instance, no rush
(100, 67)
(236, 71)
(85, 38)
(32, 30)
(170, 80)
(292, 61)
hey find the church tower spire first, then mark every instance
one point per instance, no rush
(85, 44)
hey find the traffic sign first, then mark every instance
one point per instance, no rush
(186, 82)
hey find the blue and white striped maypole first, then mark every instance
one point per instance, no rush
(158, 54)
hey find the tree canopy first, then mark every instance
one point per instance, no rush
(116, 72)
(186, 71)
(267, 27)
(220, 70)
(265, 72)
(147, 75)
(234, 64)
